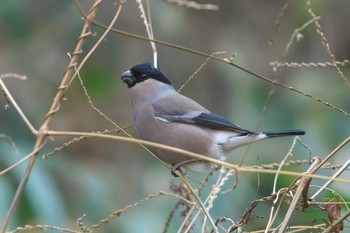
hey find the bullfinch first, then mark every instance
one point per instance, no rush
(164, 116)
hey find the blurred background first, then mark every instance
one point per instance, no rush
(96, 177)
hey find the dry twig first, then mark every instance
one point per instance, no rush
(195, 5)
(41, 134)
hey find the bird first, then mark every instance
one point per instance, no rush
(162, 115)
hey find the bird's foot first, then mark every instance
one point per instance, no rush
(177, 167)
(174, 168)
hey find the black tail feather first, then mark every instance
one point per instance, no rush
(283, 133)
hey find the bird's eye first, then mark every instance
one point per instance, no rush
(144, 76)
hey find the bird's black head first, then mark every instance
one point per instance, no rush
(142, 72)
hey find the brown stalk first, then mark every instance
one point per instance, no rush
(303, 186)
(41, 135)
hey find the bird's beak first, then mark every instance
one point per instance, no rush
(126, 74)
(127, 77)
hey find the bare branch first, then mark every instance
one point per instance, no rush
(194, 5)
(149, 31)
(303, 185)
(9, 97)
(227, 61)
(41, 135)
(326, 44)
(190, 154)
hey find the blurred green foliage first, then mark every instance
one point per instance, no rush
(97, 81)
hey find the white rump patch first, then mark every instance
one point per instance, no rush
(231, 140)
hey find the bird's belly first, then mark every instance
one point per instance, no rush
(178, 135)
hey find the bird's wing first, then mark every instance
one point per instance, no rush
(184, 110)
(204, 119)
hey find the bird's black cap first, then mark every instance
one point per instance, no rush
(142, 72)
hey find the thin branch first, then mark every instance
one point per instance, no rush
(295, 140)
(277, 64)
(296, 34)
(287, 164)
(41, 135)
(194, 5)
(224, 60)
(326, 44)
(195, 194)
(228, 61)
(249, 210)
(74, 140)
(337, 174)
(269, 223)
(303, 185)
(12, 100)
(196, 72)
(12, 143)
(214, 190)
(190, 154)
(330, 155)
(339, 221)
(25, 158)
(43, 228)
(126, 208)
(100, 40)
(279, 20)
(149, 30)
(13, 75)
